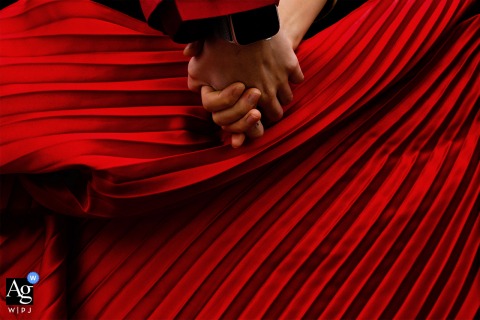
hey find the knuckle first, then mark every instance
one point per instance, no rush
(239, 112)
(192, 67)
(227, 100)
(237, 127)
(192, 84)
(270, 93)
(218, 119)
(207, 106)
(205, 101)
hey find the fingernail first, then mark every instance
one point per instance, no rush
(237, 91)
(253, 98)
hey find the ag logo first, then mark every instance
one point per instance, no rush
(20, 290)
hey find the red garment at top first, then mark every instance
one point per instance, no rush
(201, 9)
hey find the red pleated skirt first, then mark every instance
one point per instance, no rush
(125, 198)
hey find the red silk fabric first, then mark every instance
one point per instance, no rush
(362, 202)
(201, 9)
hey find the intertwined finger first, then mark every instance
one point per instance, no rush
(284, 94)
(215, 101)
(255, 131)
(270, 107)
(238, 110)
(245, 123)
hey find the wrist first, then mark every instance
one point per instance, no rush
(293, 30)
(295, 20)
(292, 36)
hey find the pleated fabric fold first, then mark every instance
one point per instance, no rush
(362, 202)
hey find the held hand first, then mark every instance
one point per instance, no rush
(268, 65)
(233, 109)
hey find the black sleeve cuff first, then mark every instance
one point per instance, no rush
(166, 18)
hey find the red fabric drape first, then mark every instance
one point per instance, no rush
(362, 202)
